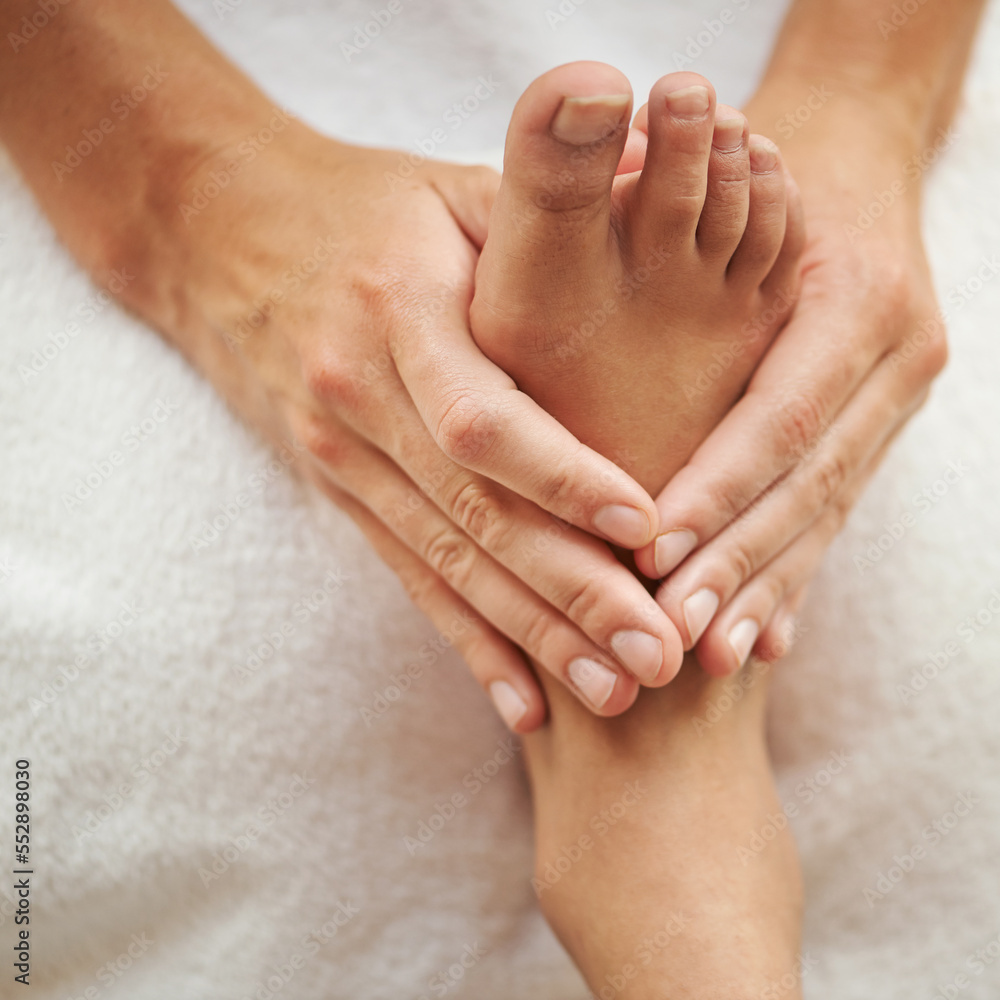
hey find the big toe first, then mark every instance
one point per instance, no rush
(552, 215)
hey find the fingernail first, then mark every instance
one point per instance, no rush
(508, 703)
(583, 120)
(625, 526)
(741, 637)
(698, 611)
(728, 134)
(688, 102)
(641, 652)
(672, 548)
(763, 156)
(593, 680)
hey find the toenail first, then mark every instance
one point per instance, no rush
(593, 680)
(728, 135)
(672, 548)
(688, 102)
(763, 156)
(640, 652)
(741, 637)
(511, 706)
(625, 526)
(698, 611)
(581, 121)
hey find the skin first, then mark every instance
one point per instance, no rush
(640, 819)
(419, 469)
(706, 791)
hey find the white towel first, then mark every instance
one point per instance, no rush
(237, 746)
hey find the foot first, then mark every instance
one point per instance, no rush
(630, 282)
(663, 858)
(634, 306)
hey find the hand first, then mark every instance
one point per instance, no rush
(370, 365)
(747, 522)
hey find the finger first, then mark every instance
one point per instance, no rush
(494, 661)
(878, 409)
(510, 605)
(803, 382)
(481, 421)
(761, 617)
(572, 571)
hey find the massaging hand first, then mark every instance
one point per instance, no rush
(369, 363)
(748, 521)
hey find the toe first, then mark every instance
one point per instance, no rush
(727, 200)
(669, 196)
(765, 228)
(565, 140)
(783, 279)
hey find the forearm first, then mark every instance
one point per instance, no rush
(105, 109)
(882, 80)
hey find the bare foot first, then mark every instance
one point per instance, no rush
(635, 308)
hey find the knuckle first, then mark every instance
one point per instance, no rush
(742, 562)
(829, 478)
(537, 638)
(800, 421)
(330, 382)
(322, 440)
(468, 428)
(451, 555)
(583, 598)
(479, 513)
